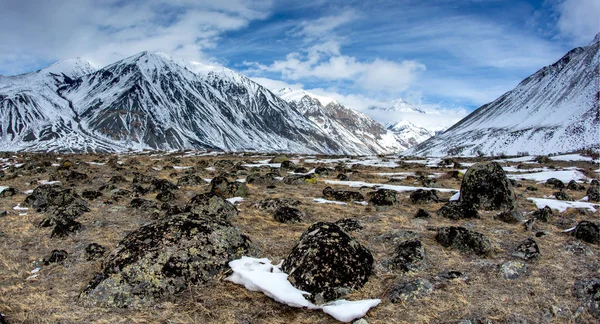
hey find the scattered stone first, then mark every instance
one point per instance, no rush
(222, 187)
(513, 269)
(300, 179)
(3, 213)
(190, 180)
(288, 215)
(486, 186)
(165, 196)
(143, 204)
(429, 182)
(464, 240)
(301, 170)
(161, 185)
(94, 251)
(76, 176)
(531, 188)
(457, 209)
(383, 197)
(342, 177)
(117, 179)
(323, 171)
(421, 196)
(543, 214)
(48, 197)
(511, 216)
(541, 234)
(164, 258)
(8, 192)
(573, 185)
(528, 225)
(349, 224)
(328, 263)
(588, 293)
(561, 195)
(209, 204)
(56, 256)
(422, 213)
(406, 292)
(593, 194)
(408, 256)
(274, 203)
(263, 179)
(65, 227)
(288, 165)
(587, 232)
(91, 194)
(342, 195)
(527, 250)
(555, 183)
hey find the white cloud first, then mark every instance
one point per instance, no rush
(579, 19)
(323, 26)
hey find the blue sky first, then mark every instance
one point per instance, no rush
(444, 55)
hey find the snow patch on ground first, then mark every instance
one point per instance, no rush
(564, 176)
(235, 200)
(456, 196)
(325, 201)
(570, 157)
(2, 188)
(261, 275)
(561, 205)
(358, 184)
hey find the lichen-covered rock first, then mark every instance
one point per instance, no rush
(421, 196)
(161, 185)
(300, 179)
(513, 269)
(8, 192)
(408, 255)
(117, 179)
(190, 180)
(587, 232)
(49, 197)
(220, 186)
(323, 171)
(383, 197)
(573, 185)
(464, 240)
(458, 210)
(274, 203)
(422, 213)
(210, 204)
(349, 224)
(342, 195)
(593, 193)
(56, 256)
(561, 195)
(263, 179)
(164, 258)
(165, 196)
(510, 216)
(143, 204)
(486, 186)
(286, 214)
(555, 183)
(588, 293)
(65, 227)
(328, 263)
(543, 214)
(288, 165)
(91, 194)
(527, 250)
(94, 251)
(342, 177)
(406, 292)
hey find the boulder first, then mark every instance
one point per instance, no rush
(165, 196)
(8, 192)
(573, 185)
(117, 179)
(513, 269)
(561, 195)
(288, 215)
(588, 293)
(56, 256)
(143, 204)
(485, 186)
(94, 251)
(288, 165)
(555, 183)
(164, 258)
(593, 194)
(510, 216)
(300, 179)
(527, 250)
(161, 185)
(220, 186)
(342, 195)
(422, 196)
(342, 177)
(91, 194)
(383, 197)
(464, 240)
(408, 255)
(190, 180)
(349, 224)
(406, 292)
(274, 203)
(323, 171)
(210, 204)
(49, 197)
(543, 214)
(328, 263)
(458, 210)
(422, 213)
(587, 232)
(263, 179)
(65, 227)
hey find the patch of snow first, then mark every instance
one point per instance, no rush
(2, 188)
(564, 176)
(396, 174)
(18, 207)
(241, 180)
(516, 170)
(325, 201)
(176, 167)
(358, 184)
(456, 196)
(258, 165)
(570, 229)
(35, 270)
(261, 275)
(561, 205)
(96, 163)
(517, 159)
(209, 180)
(22, 214)
(364, 203)
(235, 200)
(211, 169)
(307, 173)
(47, 182)
(28, 192)
(570, 158)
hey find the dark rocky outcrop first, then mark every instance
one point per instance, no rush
(588, 293)
(406, 292)
(220, 186)
(91, 194)
(527, 250)
(49, 197)
(300, 179)
(263, 179)
(342, 195)
(210, 204)
(573, 185)
(143, 204)
(408, 255)
(328, 263)
(587, 232)
(464, 240)
(165, 196)
(8, 192)
(593, 193)
(555, 183)
(190, 180)
(94, 251)
(485, 186)
(458, 210)
(543, 214)
(286, 214)
(56, 256)
(164, 258)
(288, 165)
(422, 213)
(274, 203)
(349, 224)
(422, 196)
(161, 185)
(561, 195)
(383, 197)
(510, 216)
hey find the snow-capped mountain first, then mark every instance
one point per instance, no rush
(398, 105)
(150, 101)
(343, 124)
(557, 109)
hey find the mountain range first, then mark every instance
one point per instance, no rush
(556, 109)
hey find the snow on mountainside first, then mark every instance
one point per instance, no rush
(343, 124)
(554, 110)
(150, 101)
(398, 105)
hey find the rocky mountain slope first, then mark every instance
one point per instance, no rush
(150, 101)
(554, 110)
(342, 123)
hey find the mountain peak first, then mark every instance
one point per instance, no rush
(72, 68)
(398, 105)
(596, 40)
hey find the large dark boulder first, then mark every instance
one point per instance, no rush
(543, 214)
(593, 193)
(164, 258)
(527, 250)
(274, 203)
(328, 263)
(588, 232)
(49, 197)
(190, 180)
(408, 255)
(286, 214)
(588, 293)
(485, 186)
(464, 240)
(421, 196)
(383, 197)
(263, 179)
(555, 183)
(510, 216)
(458, 210)
(220, 186)
(342, 195)
(209, 204)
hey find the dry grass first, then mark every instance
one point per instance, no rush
(53, 296)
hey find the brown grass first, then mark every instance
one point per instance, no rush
(53, 296)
